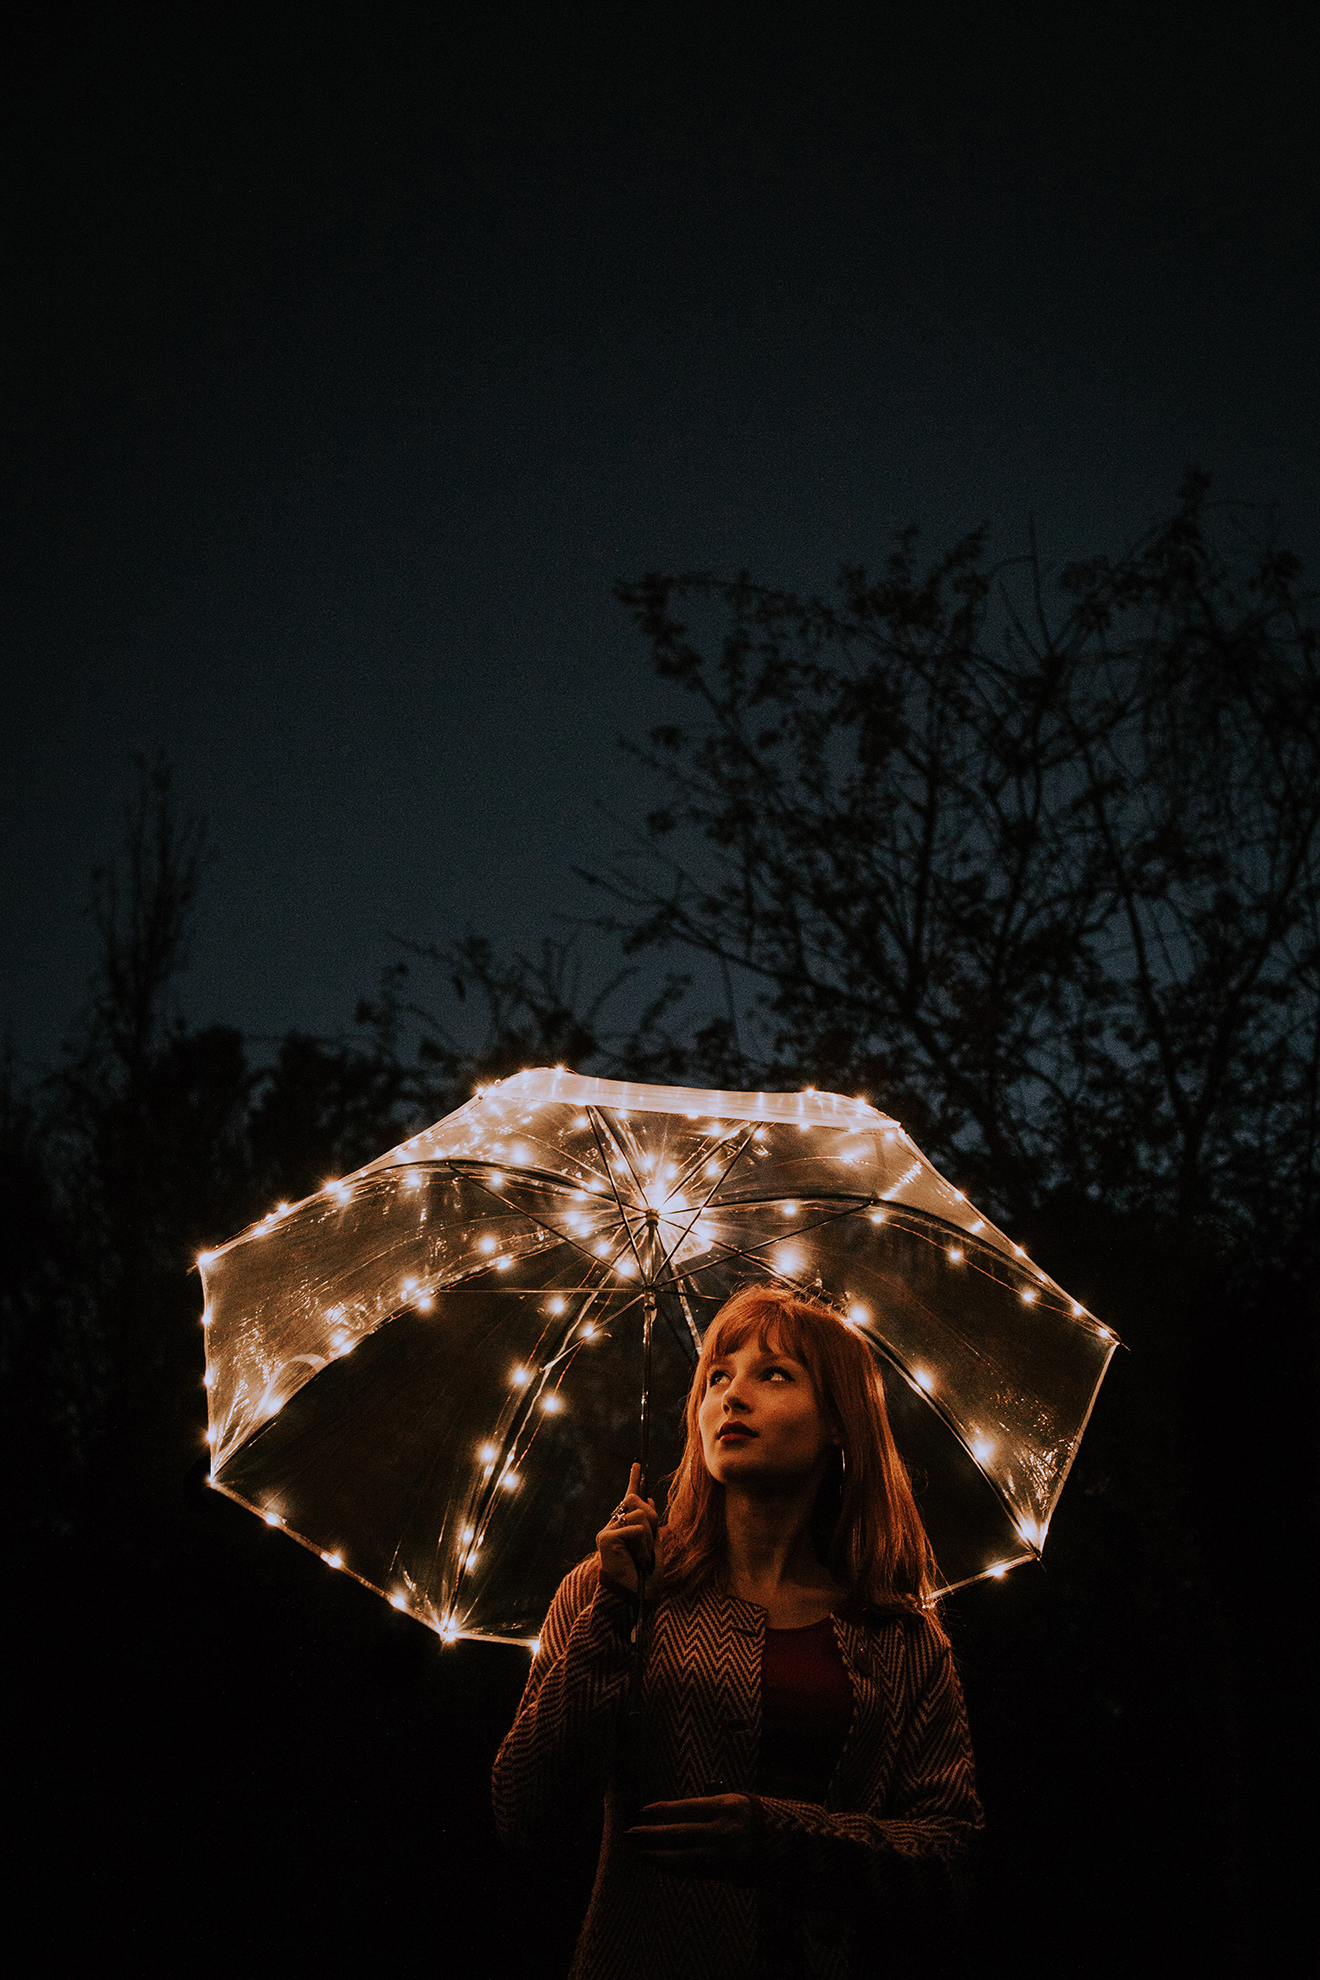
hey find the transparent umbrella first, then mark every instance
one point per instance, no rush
(437, 1371)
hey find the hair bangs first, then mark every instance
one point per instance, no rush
(775, 1326)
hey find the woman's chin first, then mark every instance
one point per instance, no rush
(743, 1466)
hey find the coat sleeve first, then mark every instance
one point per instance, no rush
(906, 1855)
(554, 1762)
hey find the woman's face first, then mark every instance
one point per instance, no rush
(761, 1419)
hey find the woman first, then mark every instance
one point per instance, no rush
(809, 1787)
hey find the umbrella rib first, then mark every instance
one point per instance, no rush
(698, 1213)
(730, 1165)
(598, 1120)
(741, 1251)
(681, 1296)
(561, 1236)
(892, 1355)
(859, 1197)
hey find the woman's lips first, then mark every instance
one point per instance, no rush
(734, 1433)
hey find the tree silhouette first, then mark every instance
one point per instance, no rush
(1040, 875)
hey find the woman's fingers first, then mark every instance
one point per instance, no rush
(626, 1543)
(700, 1829)
(699, 1808)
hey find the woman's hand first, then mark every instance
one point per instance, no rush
(625, 1545)
(711, 1835)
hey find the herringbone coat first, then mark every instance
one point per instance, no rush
(852, 1884)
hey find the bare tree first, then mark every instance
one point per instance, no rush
(148, 1121)
(1037, 872)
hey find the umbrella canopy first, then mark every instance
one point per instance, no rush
(432, 1371)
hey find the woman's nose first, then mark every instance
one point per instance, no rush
(732, 1399)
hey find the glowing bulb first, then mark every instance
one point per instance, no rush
(788, 1209)
(510, 1481)
(208, 1378)
(488, 1453)
(534, 1644)
(997, 1573)
(581, 1121)
(333, 1560)
(1076, 1311)
(712, 1169)
(788, 1260)
(858, 1315)
(923, 1379)
(1018, 1252)
(486, 1244)
(398, 1600)
(503, 1264)
(1028, 1296)
(410, 1285)
(982, 1449)
(979, 1225)
(425, 1301)
(496, 1179)
(449, 1631)
(1030, 1532)
(468, 1533)
(588, 1331)
(556, 1305)
(876, 1216)
(955, 1255)
(521, 1377)
(552, 1404)
(626, 1267)
(205, 1257)
(272, 1519)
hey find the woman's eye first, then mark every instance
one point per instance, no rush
(717, 1375)
(777, 1375)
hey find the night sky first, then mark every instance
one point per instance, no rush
(352, 360)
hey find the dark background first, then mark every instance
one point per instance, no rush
(352, 363)
(352, 359)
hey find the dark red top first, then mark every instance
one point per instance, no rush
(806, 1710)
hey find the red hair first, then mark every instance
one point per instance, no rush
(866, 1526)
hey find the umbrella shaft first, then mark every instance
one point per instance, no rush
(648, 1323)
